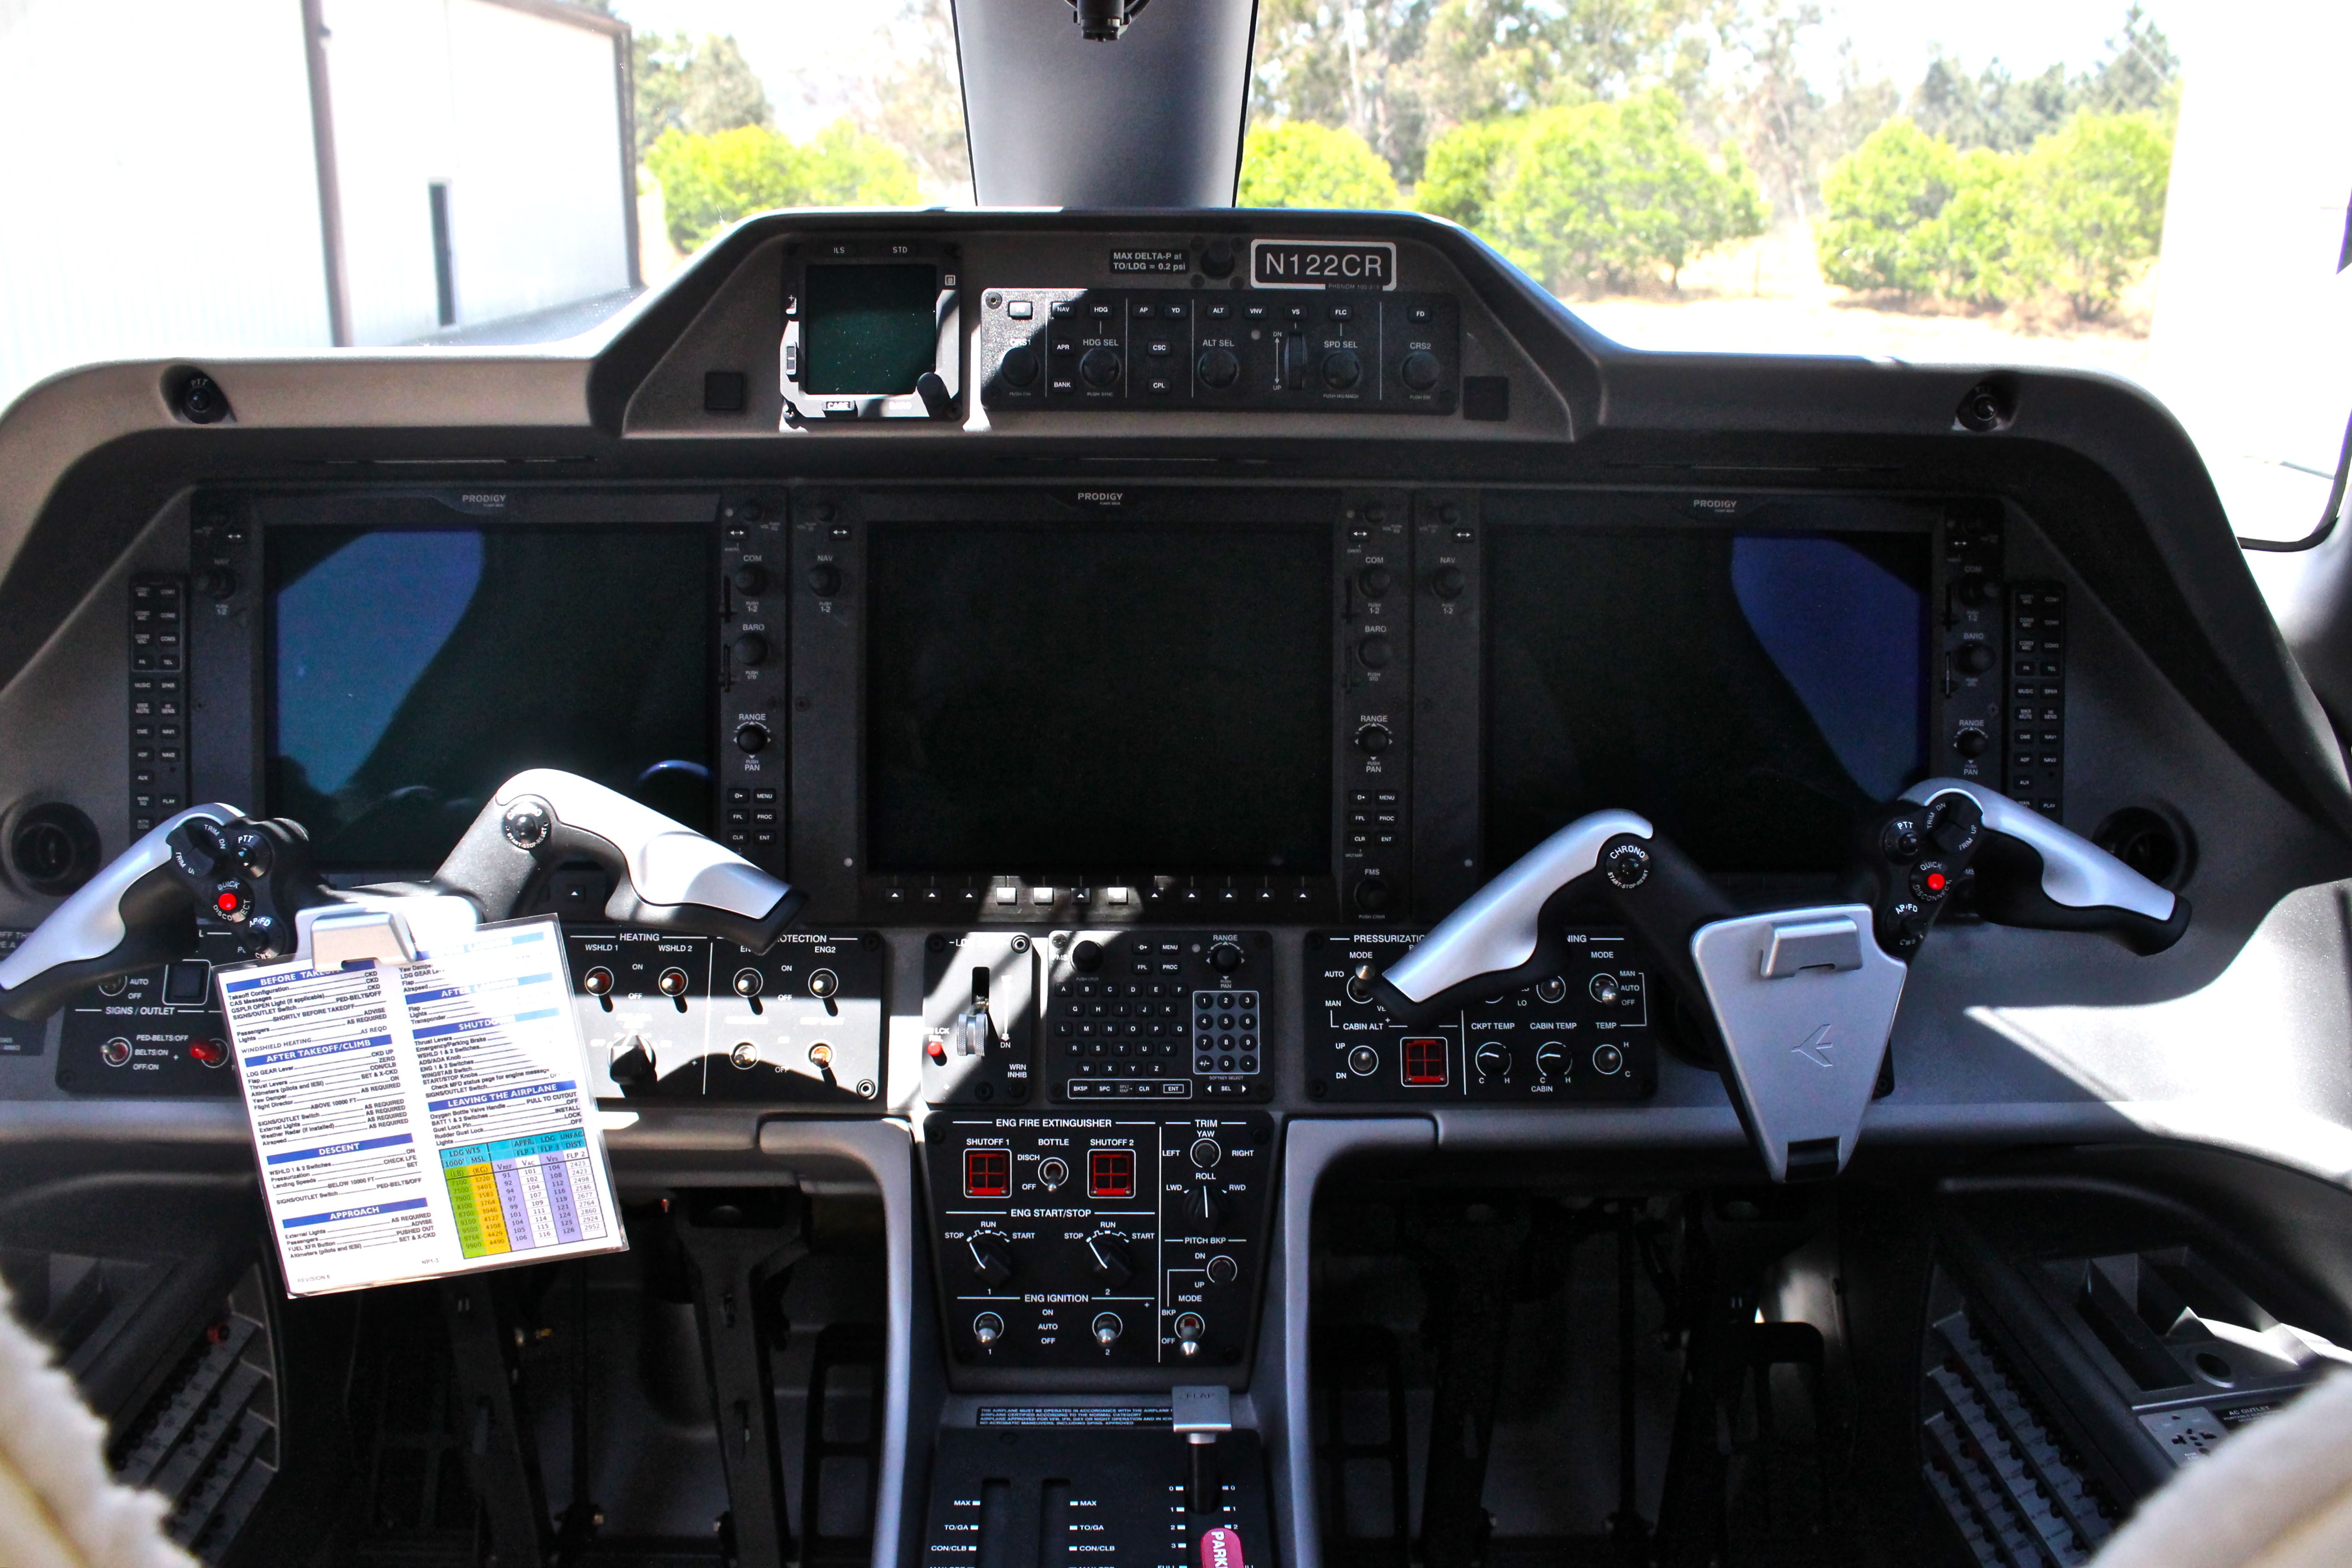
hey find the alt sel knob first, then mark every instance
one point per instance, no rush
(1219, 369)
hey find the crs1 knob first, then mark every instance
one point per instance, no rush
(1219, 369)
(992, 1257)
(1019, 366)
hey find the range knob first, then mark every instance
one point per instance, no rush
(1551, 1059)
(750, 578)
(1976, 658)
(752, 738)
(1375, 581)
(1224, 958)
(1111, 1258)
(1219, 369)
(1342, 369)
(1019, 366)
(1099, 367)
(1418, 369)
(1086, 957)
(1374, 738)
(1202, 1205)
(824, 579)
(1971, 743)
(992, 1257)
(1493, 1060)
(1448, 582)
(751, 649)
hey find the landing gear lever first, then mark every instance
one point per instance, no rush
(257, 877)
(1798, 1002)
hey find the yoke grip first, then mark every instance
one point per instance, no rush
(135, 913)
(666, 877)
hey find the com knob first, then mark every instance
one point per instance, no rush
(750, 578)
(1375, 581)
(992, 1257)
(1019, 367)
(1373, 739)
(752, 738)
(1098, 367)
(1978, 591)
(1342, 369)
(1219, 369)
(219, 583)
(1224, 958)
(1419, 371)
(750, 650)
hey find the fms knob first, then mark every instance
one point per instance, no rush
(1219, 369)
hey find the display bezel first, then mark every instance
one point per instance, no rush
(805, 408)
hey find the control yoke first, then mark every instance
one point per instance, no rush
(256, 876)
(1796, 1003)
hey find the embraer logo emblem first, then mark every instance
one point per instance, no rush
(1817, 1047)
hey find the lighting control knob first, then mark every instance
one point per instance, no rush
(1342, 369)
(1219, 369)
(634, 1064)
(1552, 990)
(1224, 958)
(1206, 1152)
(1375, 581)
(1374, 738)
(1976, 658)
(752, 738)
(750, 578)
(751, 649)
(1098, 367)
(1492, 1060)
(1971, 743)
(1019, 366)
(1202, 1205)
(1551, 1059)
(992, 1257)
(824, 579)
(1419, 371)
(1111, 1258)
(1448, 582)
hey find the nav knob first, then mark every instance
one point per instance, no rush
(219, 583)
(1418, 370)
(1111, 1258)
(1219, 369)
(1374, 738)
(1224, 958)
(992, 1257)
(751, 649)
(1099, 367)
(1448, 582)
(824, 579)
(1019, 366)
(750, 578)
(1086, 957)
(752, 738)
(1342, 369)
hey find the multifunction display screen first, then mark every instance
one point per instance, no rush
(413, 670)
(868, 329)
(1750, 693)
(1139, 699)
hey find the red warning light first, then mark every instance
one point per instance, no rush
(1935, 881)
(229, 903)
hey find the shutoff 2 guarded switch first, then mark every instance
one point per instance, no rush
(1070, 1239)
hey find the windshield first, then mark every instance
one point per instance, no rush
(2152, 192)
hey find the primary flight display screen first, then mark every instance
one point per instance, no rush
(411, 672)
(1750, 693)
(1144, 699)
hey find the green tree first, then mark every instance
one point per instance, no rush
(2091, 206)
(1298, 164)
(698, 87)
(1974, 237)
(710, 181)
(1597, 195)
(1881, 205)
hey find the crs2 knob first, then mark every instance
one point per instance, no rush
(1419, 371)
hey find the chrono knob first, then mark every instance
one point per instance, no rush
(752, 738)
(1626, 865)
(750, 578)
(1219, 369)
